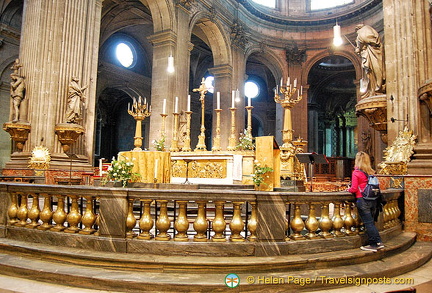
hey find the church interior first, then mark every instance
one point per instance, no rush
(206, 145)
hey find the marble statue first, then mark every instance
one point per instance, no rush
(371, 51)
(75, 100)
(17, 90)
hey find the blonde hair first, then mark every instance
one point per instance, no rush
(362, 162)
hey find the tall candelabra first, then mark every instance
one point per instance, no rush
(139, 112)
(217, 137)
(174, 141)
(249, 121)
(201, 138)
(186, 147)
(288, 101)
(232, 140)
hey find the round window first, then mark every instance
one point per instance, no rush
(125, 54)
(251, 89)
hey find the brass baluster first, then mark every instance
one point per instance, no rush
(338, 223)
(163, 222)
(219, 224)
(397, 212)
(200, 225)
(74, 216)
(311, 223)
(237, 225)
(59, 215)
(13, 208)
(386, 216)
(253, 223)
(33, 213)
(146, 222)
(325, 222)
(89, 218)
(130, 220)
(357, 220)
(181, 224)
(46, 213)
(297, 224)
(348, 220)
(22, 211)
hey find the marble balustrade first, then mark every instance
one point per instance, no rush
(186, 215)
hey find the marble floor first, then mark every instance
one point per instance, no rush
(419, 276)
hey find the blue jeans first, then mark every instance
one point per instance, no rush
(366, 210)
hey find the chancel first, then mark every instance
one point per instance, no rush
(205, 108)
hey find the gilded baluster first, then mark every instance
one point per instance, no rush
(13, 208)
(311, 223)
(219, 224)
(74, 216)
(397, 212)
(33, 213)
(46, 213)
(394, 208)
(22, 211)
(163, 222)
(181, 224)
(130, 220)
(325, 222)
(348, 220)
(200, 224)
(59, 215)
(237, 225)
(252, 223)
(146, 222)
(338, 223)
(357, 220)
(89, 218)
(297, 224)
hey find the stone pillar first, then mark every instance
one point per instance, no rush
(222, 80)
(163, 83)
(59, 40)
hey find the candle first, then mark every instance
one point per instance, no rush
(289, 81)
(176, 105)
(277, 90)
(156, 168)
(218, 100)
(249, 101)
(164, 107)
(233, 99)
(281, 81)
(301, 90)
(295, 82)
(145, 101)
(188, 106)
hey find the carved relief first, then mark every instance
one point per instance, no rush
(294, 55)
(216, 169)
(238, 35)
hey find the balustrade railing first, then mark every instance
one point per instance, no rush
(186, 215)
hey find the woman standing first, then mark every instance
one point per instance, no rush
(366, 208)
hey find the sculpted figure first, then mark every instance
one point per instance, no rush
(371, 51)
(17, 94)
(75, 99)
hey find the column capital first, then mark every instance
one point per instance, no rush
(224, 70)
(162, 38)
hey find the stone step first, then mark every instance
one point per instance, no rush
(203, 264)
(147, 273)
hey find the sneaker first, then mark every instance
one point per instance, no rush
(380, 245)
(369, 248)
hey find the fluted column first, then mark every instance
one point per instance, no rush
(59, 40)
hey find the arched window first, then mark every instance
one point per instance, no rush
(209, 82)
(252, 89)
(320, 4)
(268, 3)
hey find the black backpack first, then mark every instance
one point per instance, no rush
(372, 190)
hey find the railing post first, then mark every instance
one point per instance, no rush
(4, 206)
(271, 225)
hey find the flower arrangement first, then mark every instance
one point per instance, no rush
(260, 173)
(159, 144)
(121, 170)
(245, 141)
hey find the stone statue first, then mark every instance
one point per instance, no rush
(371, 51)
(75, 100)
(17, 90)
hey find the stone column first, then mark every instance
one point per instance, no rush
(408, 48)
(59, 40)
(163, 83)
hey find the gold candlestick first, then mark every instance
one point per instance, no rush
(187, 140)
(217, 137)
(139, 112)
(232, 140)
(174, 141)
(201, 138)
(249, 120)
(164, 116)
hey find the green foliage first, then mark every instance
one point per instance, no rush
(260, 173)
(245, 141)
(121, 170)
(159, 144)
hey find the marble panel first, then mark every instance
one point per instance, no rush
(425, 205)
(113, 213)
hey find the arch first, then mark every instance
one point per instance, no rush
(163, 14)
(351, 56)
(269, 59)
(214, 35)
